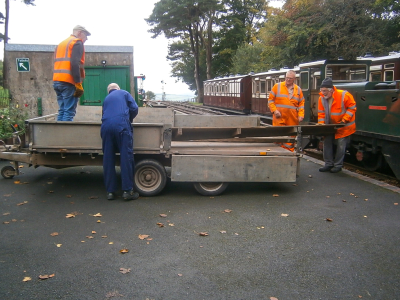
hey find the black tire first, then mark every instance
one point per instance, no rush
(210, 188)
(8, 172)
(150, 177)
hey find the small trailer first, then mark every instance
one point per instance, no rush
(209, 151)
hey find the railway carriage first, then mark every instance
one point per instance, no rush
(384, 68)
(231, 92)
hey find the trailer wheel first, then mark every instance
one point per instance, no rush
(150, 177)
(8, 172)
(210, 188)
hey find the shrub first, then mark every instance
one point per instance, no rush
(12, 118)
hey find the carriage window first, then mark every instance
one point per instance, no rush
(347, 72)
(389, 66)
(304, 81)
(375, 76)
(388, 76)
(262, 87)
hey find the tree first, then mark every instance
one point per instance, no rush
(185, 19)
(238, 26)
(7, 17)
(150, 95)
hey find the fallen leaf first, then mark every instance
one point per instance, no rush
(89, 237)
(143, 236)
(97, 215)
(285, 215)
(54, 234)
(14, 220)
(223, 231)
(236, 233)
(149, 239)
(69, 196)
(124, 271)
(310, 176)
(171, 224)
(203, 233)
(396, 204)
(351, 194)
(58, 245)
(94, 232)
(7, 195)
(180, 275)
(17, 182)
(6, 222)
(160, 224)
(103, 236)
(227, 210)
(50, 192)
(98, 221)
(6, 214)
(329, 220)
(43, 277)
(49, 182)
(123, 251)
(275, 195)
(26, 279)
(163, 215)
(273, 298)
(111, 243)
(22, 203)
(70, 216)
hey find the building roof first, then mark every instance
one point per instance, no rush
(50, 48)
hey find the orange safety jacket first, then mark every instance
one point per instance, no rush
(62, 61)
(343, 109)
(290, 108)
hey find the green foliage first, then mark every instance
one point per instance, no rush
(12, 118)
(248, 59)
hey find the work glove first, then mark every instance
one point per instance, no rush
(79, 90)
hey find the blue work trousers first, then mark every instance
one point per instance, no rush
(66, 101)
(116, 139)
(335, 159)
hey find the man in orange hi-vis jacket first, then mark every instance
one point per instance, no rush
(286, 102)
(336, 107)
(68, 72)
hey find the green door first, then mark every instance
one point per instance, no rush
(98, 78)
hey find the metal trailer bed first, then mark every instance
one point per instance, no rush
(209, 151)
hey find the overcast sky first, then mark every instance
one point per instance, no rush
(111, 22)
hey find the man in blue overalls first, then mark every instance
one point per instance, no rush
(119, 110)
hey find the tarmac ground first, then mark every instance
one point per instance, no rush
(327, 236)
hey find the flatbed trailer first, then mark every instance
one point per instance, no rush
(209, 151)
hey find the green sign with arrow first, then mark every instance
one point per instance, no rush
(23, 65)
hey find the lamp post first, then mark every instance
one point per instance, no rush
(163, 98)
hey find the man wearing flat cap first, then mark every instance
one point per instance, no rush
(336, 107)
(119, 110)
(68, 72)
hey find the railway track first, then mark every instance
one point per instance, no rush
(186, 108)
